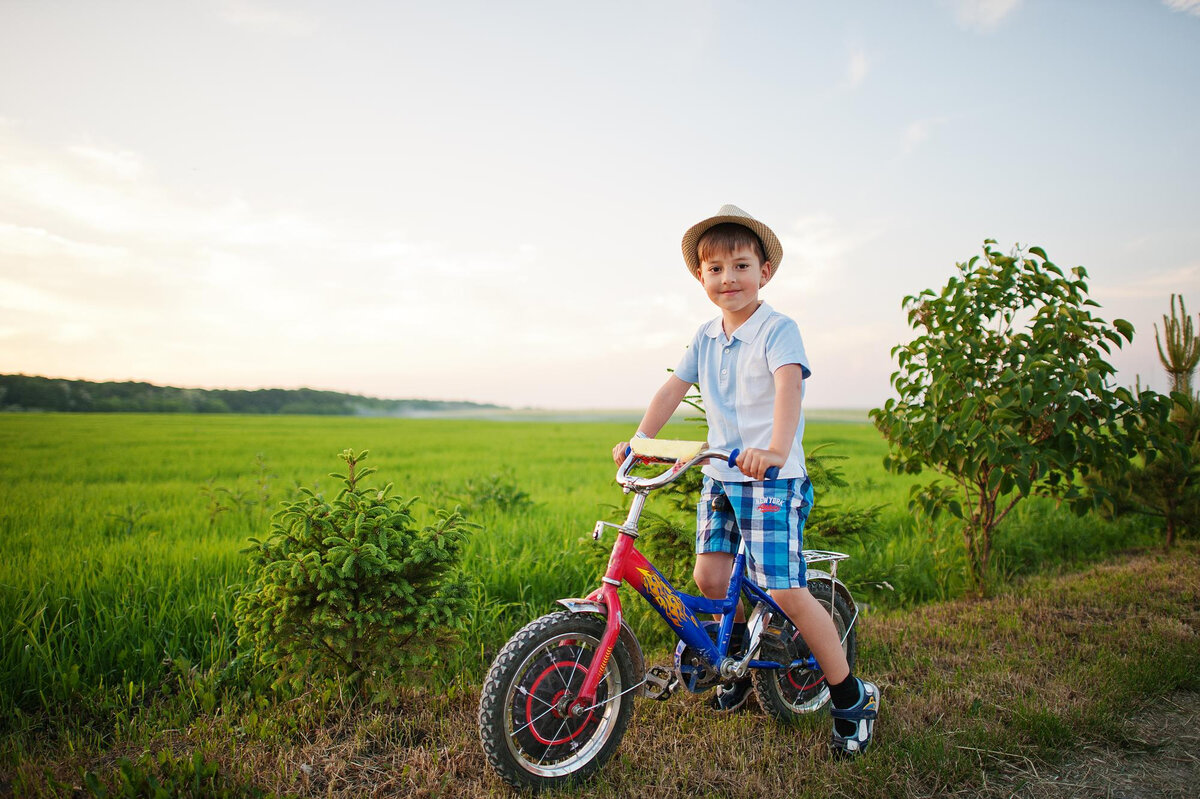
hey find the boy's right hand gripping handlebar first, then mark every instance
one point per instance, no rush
(772, 471)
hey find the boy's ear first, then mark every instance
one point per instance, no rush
(767, 271)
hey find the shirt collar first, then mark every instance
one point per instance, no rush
(749, 329)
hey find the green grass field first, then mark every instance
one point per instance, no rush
(120, 534)
(120, 539)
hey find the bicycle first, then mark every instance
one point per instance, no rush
(559, 695)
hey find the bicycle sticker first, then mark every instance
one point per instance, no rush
(663, 597)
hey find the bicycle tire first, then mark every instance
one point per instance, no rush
(527, 738)
(787, 694)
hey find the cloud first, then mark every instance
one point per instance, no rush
(1185, 6)
(18, 296)
(982, 15)
(919, 131)
(1154, 285)
(36, 243)
(111, 273)
(123, 165)
(814, 247)
(860, 65)
(261, 17)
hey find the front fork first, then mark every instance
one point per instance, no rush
(608, 596)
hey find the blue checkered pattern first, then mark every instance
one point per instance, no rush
(770, 513)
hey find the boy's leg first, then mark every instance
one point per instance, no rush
(816, 627)
(855, 700)
(717, 538)
(712, 573)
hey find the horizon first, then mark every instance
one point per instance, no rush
(468, 200)
(681, 411)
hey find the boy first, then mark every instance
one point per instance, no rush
(750, 365)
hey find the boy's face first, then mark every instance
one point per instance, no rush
(732, 281)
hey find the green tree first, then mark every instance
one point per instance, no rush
(1006, 392)
(352, 589)
(1164, 480)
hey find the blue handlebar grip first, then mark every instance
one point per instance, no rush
(772, 471)
(627, 451)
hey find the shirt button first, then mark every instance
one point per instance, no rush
(724, 371)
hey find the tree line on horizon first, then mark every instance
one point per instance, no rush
(21, 392)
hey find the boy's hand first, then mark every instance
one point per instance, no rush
(620, 451)
(755, 462)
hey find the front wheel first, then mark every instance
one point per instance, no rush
(788, 693)
(529, 737)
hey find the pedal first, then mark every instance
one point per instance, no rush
(660, 683)
(774, 646)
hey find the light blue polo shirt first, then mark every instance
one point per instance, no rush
(736, 376)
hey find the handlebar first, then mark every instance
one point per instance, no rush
(771, 473)
(684, 454)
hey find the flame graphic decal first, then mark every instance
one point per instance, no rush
(663, 596)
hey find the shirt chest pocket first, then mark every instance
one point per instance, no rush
(756, 384)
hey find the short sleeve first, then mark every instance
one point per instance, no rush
(784, 345)
(688, 369)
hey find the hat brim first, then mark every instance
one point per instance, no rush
(770, 242)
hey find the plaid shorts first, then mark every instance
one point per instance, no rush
(771, 514)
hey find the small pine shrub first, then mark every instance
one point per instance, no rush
(353, 590)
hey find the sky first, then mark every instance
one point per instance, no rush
(484, 201)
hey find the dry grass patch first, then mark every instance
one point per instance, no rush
(1042, 688)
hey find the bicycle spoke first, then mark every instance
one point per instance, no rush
(525, 692)
(574, 668)
(615, 698)
(557, 733)
(531, 722)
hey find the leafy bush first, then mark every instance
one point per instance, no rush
(352, 589)
(1006, 391)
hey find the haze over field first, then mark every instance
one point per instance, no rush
(484, 201)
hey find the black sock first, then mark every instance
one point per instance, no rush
(737, 638)
(843, 695)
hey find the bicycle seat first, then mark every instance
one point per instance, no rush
(666, 449)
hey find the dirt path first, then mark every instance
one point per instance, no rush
(1144, 769)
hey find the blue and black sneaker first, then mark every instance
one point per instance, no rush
(862, 715)
(730, 696)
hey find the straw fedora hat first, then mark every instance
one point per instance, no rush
(731, 213)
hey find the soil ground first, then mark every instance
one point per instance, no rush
(1162, 761)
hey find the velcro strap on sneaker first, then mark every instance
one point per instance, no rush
(868, 710)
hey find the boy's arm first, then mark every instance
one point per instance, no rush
(659, 412)
(789, 389)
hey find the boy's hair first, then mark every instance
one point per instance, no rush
(726, 237)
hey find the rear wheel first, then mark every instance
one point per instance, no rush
(530, 736)
(788, 693)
